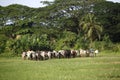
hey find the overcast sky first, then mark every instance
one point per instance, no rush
(30, 3)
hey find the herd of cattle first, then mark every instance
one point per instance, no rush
(44, 55)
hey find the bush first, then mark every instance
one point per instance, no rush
(26, 42)
(81, 43)
(66, 41)
(116, 47)
(3, 40)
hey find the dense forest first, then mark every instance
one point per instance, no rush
(62, 24)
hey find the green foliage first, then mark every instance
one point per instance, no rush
(62, 24)
(105, 44)
(67, 40)
(91, 28)
(116, 47)
(108, 15)
(81, 43)
(27, 42)
(24, 31)
(3, 40)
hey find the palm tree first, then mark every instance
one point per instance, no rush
(91, 28)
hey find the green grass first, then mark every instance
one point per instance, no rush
(102, 67)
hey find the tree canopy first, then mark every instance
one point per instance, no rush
(62, 24)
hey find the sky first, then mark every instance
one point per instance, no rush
(30, 3)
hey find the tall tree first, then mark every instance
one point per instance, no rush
(67, 13)
(108, 14)
(91, 28)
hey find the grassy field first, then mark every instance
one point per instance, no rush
(102, 67)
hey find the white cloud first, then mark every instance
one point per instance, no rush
(30, 3)
(114, 1)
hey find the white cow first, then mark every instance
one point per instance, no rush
(96, 52)
(56, 54)
(29, 55)
(34, 57)
(24, 55)
(44, 55)
(83, 53)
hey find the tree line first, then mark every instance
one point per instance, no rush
(60, 25)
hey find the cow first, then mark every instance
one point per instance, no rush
(55, 54)
(64, 54)
(24, 55)
(61, 54)
(50, 54)
(29, 55)
(73, 53)
(33, 57)
(44, 55)
(83, 53)
(67, 54)
(96, 52)
(38, 55)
